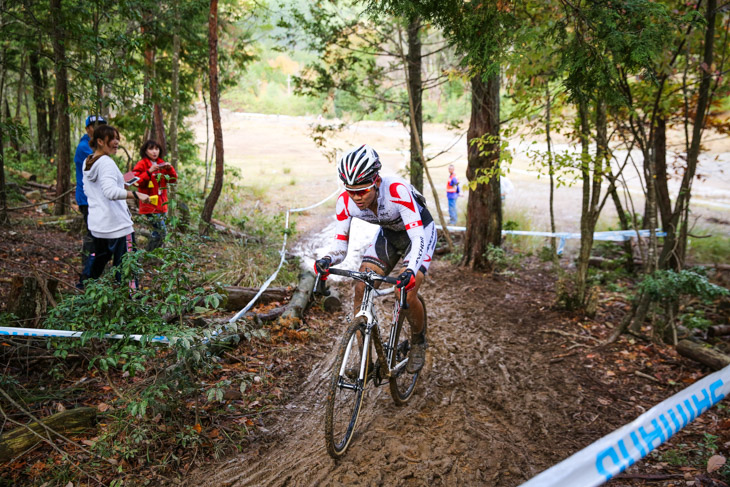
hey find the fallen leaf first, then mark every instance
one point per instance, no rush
(198, 428)
(715, 462)
(104, 407)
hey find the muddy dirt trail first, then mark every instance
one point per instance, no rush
(495, 405)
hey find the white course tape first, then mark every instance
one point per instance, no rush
(614, 453)
(613, 236)
(41, 332)
(282, 252)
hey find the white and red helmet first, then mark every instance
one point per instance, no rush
(359, 166)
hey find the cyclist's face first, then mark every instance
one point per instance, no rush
(363, 194)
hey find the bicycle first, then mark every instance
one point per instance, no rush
(353, 368)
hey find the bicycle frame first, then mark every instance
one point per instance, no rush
(372, 331)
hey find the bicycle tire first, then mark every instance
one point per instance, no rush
(402, 383)
(343, 403)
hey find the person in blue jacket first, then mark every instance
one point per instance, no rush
(83, 150)
(452, 194)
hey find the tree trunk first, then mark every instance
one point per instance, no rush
(586, 234)
(215, 191)
(175, 94)
(30, 297)
(63, 157)
(415, 82)
(675, 243)
(419, 145)
(551, 170)
(4, 219)
(51, 110)
(664, 203)
(484, 208)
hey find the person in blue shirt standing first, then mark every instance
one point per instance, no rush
(83, 150)
(452, 193)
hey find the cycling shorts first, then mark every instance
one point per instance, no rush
(389, 246)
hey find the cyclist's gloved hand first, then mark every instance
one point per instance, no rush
(322, 267)
(407, 280)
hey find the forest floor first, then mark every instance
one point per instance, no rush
(512, 386)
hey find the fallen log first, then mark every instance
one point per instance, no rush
(300, 299)
(23, 174)
(71, 421)
(226, 228)
(332, 301)
(48, 187)
(718, 330)
(703, 354)
(238, 297)
(272, 314)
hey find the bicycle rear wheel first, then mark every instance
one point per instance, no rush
(401, 382)
(346, 390)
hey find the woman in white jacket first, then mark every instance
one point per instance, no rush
(110, 221)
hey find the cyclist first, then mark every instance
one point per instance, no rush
(406, 230)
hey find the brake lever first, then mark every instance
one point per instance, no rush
(403, 298)
(320, 286)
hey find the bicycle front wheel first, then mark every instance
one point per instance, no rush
(401, 382)
(346, 390)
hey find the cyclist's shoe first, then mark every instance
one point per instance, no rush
(417, 354)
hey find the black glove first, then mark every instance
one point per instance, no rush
(322, 266)
(407, 280)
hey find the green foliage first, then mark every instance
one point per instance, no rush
(107, 307)
(695, 319)
(668, 286)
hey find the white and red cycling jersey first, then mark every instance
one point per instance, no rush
(406, 227)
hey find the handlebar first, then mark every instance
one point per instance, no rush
(368, 277)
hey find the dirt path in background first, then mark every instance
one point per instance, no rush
(496, 404)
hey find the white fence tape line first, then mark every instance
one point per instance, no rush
(614, 453)
(41, 332)
(335, 193)
(282, 252)
(613, 236)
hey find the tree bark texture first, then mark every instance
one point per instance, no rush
(664, 203)
(675, 243)
(592, 175)
(66, 423)
(553, 245)
(215, 191)
(300, 299)
(63, 155)
(415, 80)
(4, 219)
(238, 297)
(703, 354)
(175, 96)
(30, 297)
(39, 99)
(484, 208)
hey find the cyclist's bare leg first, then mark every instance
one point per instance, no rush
(414, 313)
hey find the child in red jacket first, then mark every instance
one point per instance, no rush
(154, 175)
